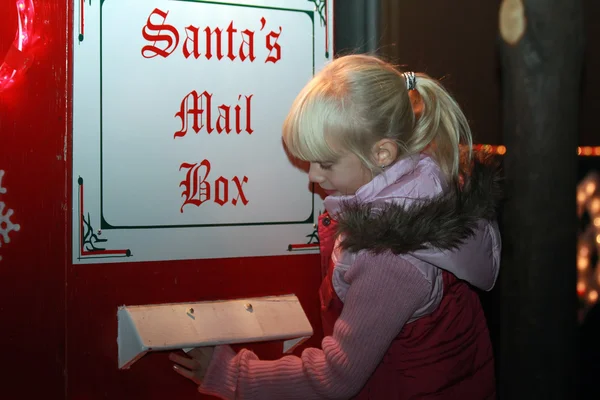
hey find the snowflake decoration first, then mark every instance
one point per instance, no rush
(6, 225)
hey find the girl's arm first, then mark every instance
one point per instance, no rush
(385, 290)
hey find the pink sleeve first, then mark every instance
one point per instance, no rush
(384, 292)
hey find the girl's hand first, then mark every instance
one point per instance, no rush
(195, 366)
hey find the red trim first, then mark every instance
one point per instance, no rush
(81, 218)
(333, 30)
(310, 246)
(326, 29)
(103, 252)
(82, 18)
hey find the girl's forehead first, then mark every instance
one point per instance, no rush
(342, 157)
(335, 143)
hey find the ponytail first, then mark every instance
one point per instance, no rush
(357, 100)
(441, 129)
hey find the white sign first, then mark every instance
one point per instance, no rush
(177, 113)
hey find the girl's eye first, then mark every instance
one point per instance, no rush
(325, 166)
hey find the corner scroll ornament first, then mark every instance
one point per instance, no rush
(312, 243)
(90, 243)
(321, 9)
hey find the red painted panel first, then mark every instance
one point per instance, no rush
(33, 125)
(59, 326)
(95, 291)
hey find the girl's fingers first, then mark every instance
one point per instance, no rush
(186, 373)
(202, 354)
(186, 362)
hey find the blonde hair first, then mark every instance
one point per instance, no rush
(357, 100)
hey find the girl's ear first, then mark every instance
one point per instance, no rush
(385, 152)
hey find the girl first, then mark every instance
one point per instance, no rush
(409, 229)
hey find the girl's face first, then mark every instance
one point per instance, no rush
(341, 177)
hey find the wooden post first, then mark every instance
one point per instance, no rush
(542, 56)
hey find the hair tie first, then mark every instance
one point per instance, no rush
(411, 80)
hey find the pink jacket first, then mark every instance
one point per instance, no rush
(398, 234)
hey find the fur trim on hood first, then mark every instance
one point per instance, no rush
(444, 222)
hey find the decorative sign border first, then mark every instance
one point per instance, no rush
(91, 243)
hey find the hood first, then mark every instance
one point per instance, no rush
(411, 209)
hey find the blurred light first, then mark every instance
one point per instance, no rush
(588, 151)
(595, 206)
(21, 45)
(590, 188)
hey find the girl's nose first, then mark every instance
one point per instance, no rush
(314, 173)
